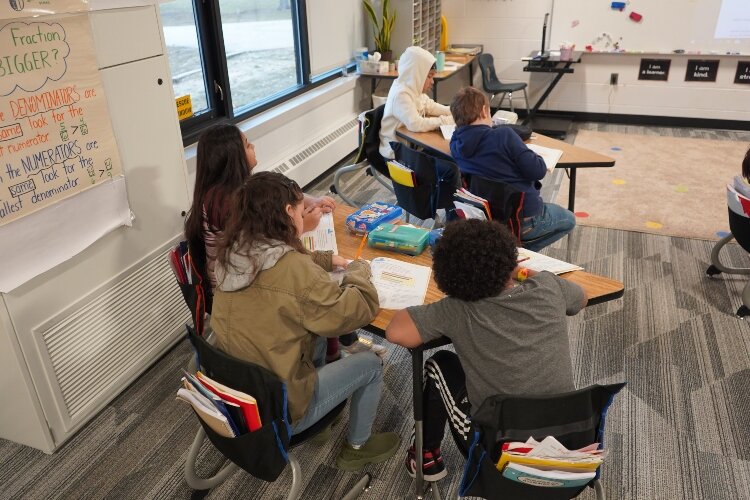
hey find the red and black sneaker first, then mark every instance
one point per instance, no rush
(433, 466)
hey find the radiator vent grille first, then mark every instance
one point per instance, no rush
(313, 148)
(93, 348)
(281, 168)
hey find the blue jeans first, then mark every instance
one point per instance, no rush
(546, 228)
(359, 376)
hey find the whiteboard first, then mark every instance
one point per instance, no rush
(667, 25)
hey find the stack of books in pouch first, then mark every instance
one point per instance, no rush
(548, 463)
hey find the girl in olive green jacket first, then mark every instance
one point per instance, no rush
(275, 302)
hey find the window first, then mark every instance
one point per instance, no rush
(235, 58)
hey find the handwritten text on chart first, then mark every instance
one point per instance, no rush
(55, 134)
(34, 49)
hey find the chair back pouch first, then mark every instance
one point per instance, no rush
(506, 202)
(262, 453)
(436, 181)
(576, 419)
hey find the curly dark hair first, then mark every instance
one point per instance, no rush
(474, 259)
(746, 166)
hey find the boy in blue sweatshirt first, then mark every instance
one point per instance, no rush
(499, 154)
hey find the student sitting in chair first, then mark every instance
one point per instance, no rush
(509, 332)
(408, 103)
(275, 305)
(499, 154)
(225, 161)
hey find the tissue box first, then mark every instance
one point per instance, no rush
(371, 216)
(372, 66)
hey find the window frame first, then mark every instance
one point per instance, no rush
(208, 24)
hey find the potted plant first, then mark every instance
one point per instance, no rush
(383, 29)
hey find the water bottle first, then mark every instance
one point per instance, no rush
(440, 60)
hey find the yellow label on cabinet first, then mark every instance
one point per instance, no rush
(184, 107)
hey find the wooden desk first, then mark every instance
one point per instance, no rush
(552, 126)
(573, 157)
(462, 60)
(598, 288)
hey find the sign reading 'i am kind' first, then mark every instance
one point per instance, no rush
(701, 71)
(56, 137)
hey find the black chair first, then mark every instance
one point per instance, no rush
(576, 419)
(437, 178)
(506, 202)
(263, 453)
(738, 207)
(368, 154)
(197, 294)
(493, 86)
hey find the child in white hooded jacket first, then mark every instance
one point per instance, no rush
(407, 102)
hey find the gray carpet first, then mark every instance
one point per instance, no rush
(678, 430)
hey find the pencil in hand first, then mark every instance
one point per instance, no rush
(361, 246)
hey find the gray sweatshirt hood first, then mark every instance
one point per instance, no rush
(244, 267)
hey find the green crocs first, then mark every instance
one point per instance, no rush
(379, 448)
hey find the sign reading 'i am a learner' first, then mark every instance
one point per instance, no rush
(654, 69)
(701, 71)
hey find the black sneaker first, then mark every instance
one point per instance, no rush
(433, 467)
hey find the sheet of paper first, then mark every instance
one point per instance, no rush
(549, 155)
(48, 237)
(447, 131)
(399, 284)
(538, 262)
(470, 212)
(322, 237)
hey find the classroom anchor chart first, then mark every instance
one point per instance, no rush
(56, 137)
(11, 9)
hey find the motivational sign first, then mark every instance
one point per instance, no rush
(12, 9)
(56, 137)
(654, 69)
(743, 72)
(701, 71)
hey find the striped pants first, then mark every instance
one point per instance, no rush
(446, 399)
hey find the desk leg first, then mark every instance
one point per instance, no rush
(373, 87)
(418, 389)
(572, 190)
(434, 91)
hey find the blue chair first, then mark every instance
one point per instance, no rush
(738, 207)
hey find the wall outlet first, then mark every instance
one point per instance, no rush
(613, 77)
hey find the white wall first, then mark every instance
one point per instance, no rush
(510, 29)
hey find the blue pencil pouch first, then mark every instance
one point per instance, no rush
(371, 216)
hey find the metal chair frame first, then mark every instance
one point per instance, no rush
(361, 162)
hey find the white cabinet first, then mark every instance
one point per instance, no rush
(74, 337)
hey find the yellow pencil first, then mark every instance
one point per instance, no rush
(361, 246)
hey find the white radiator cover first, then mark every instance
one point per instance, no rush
(93, 348)
(315, 158)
